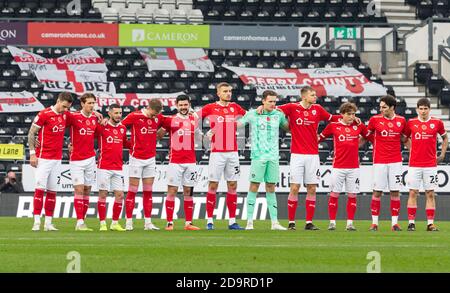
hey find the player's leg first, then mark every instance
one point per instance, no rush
(77, 175)
(216, 167)
(135, 169)
(380, 177)
(430, 183)
(251, 202)
(41, 175)
(117, 185)
(395, 182)
(256, 176)
(352, 188)
(89, 176)
(189, 179)
(103, 185)
(232, 173)
(336, 184)
(174, 178)
(147, 199)
(271, 177)
(312, 179)
(297, 172)
(50, 197)
(414, 178)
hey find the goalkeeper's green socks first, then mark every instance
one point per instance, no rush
(251, 201)
(272, 206)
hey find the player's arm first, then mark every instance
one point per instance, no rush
(284, 123)
(328, 131)
(364, 135)
(165, 127)
(32, 133)
(241, 122)
(444, 147)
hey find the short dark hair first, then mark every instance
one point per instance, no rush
(389, 101)
(65, 97)
(155, 104)
(347, 107)
(114, 106)
(423, 102)
(183, 98)
(306, 89)
(267, 93)
(86, 96)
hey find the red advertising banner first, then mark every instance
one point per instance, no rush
(73, 34)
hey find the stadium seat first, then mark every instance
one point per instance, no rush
(444, 96)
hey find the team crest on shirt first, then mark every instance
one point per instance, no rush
(232, 110)
(115, 131)
(156, 120)
(314, 112)
(390, 125)
(355, 127)
(424, 127)
(399, 124)
(121, 130)
(432, 125)
(93, 122)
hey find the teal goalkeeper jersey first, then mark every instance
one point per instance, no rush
(264, 133)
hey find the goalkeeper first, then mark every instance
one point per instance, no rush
(264, 136)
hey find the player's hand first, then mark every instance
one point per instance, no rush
(98, 115)
(440, 159)
(103, 122)
(358, 120)
(259, 110)
(70, 148)
(33, 161)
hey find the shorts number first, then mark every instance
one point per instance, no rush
(357, 181)
(237, 170)
(398, 179)
(434, 179)
(194, 176)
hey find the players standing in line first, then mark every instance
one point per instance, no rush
(112, 138)
(182, 169)
(423, 160)
(346, 134)
(264, 134)
(144, 126)
(386, 133)
(82, 126)
(224, 157)
(49, 125)
(304, 118)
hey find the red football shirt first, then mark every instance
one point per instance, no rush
(304, 124)
(143, 134)
(111, 139)
(182, 140)
(346, 143)
(386, 138)
(223, 124)
(51, 133)
(424, 141)
(82, 135)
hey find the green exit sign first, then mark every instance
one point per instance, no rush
(345, 33)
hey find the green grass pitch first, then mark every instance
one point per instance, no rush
(260, 250)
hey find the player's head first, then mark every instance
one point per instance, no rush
(224, 91)
(387, 105)
(348, 112)
(115, 113)
(183, 104)
(269, 100)
(423, 108)
(63, 102)
(88, 102)
(154, 107)
(308, 95)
